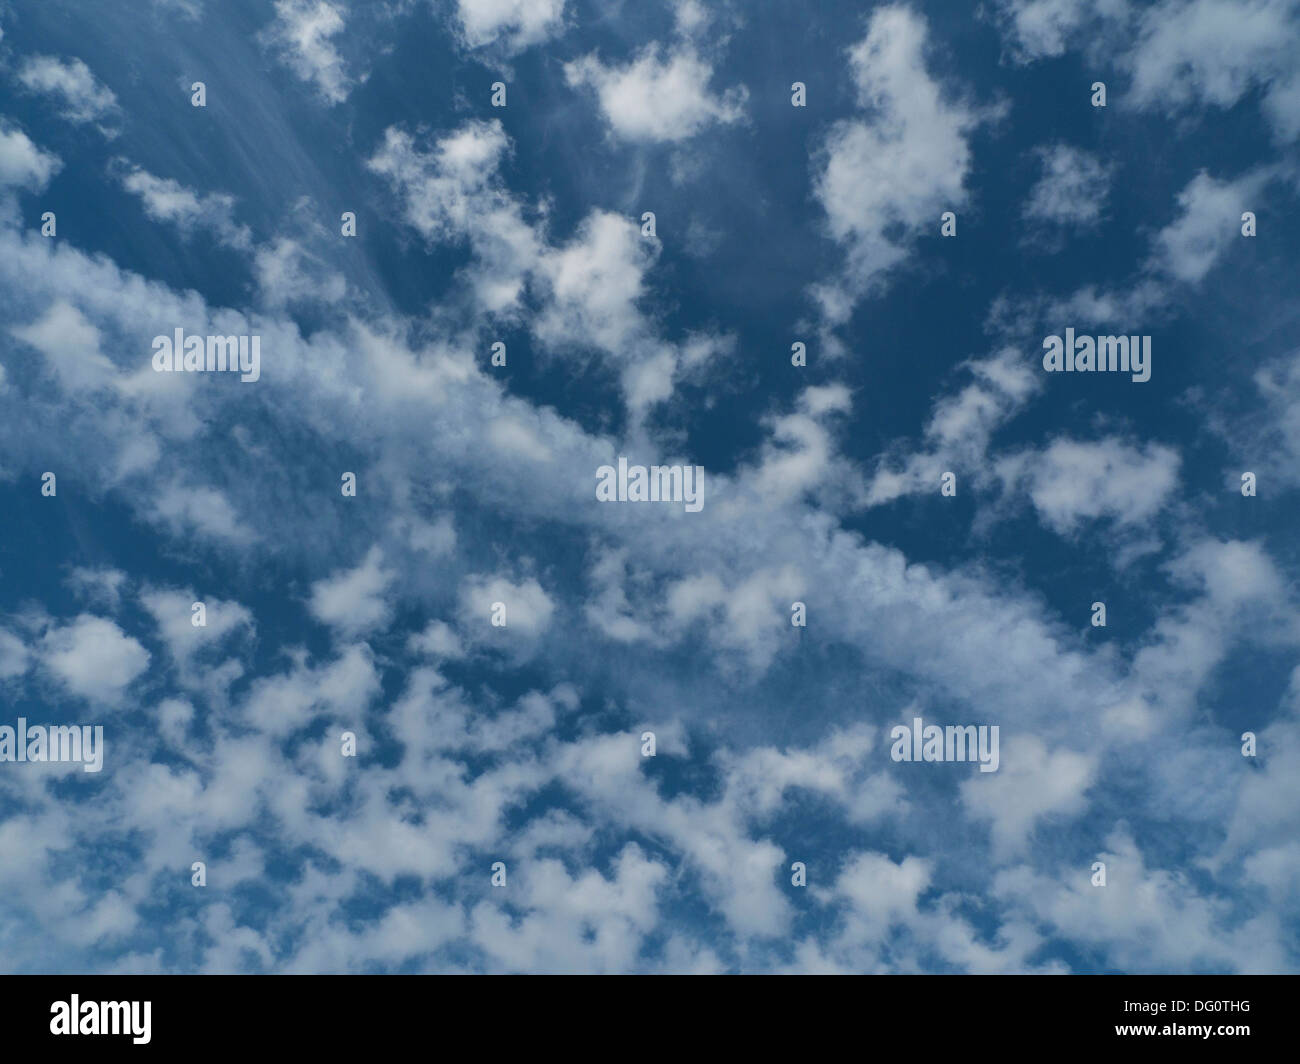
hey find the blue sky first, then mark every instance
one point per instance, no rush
(370, 614)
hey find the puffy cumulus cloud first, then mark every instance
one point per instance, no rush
(302, 34)
(608, 609)
(1282, 108)
(750, 616)
(739, 868)
(588, 289)
(1265, 818)
(1214, 52)
(198, 650)
(22, 163)
(881, 178)
(689, 17)
(594, 284)
(738, 871)
(70, 345)
(165, 200)
(202, 510)
(1067, 481)
(607, 918)
(82, 96)
(514, 24)
(528, 609)
(1178, 53)
(353, 601)
(1236, 587)
(93, 658)
(1039, 29)
(516, 440)
(1147, 919)
(799, 455)
(880, 893)
(440, 186)
(1231, 573)
(438, 639)
(1032, 782)
(657, 98)
(1073, 481)
(281, 703)
(1209, 220)
(959, 431)
(1072, 190)
(454, 193)
(839, 768)
(889, 917)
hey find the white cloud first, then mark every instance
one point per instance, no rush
(84, 97)
(200, 509)
(885, 178)
(515, 23)
(1273, 442)
(516, 440)
(165, 200)
(13, 655)
(93, 658)
(1146, 919)
(353, 600)
(454, 193)
(1211, 51)
(71, 346)
(172, 612)
(288, 273)
(1071, 481)
(657, 99)
(751, 616)
(594, 283)
(960, 428)
(880, 893)
(1072, 190)
(1265, 821)
(528, 608)
(1178, 53)
(1032, 781)
(1208, 224)
(682, 591)
(1282, 108)
(438, 639)
(607, 608)
(102, 586)
(1239, 594)
(343, 687)
(1042, 28)
(302, 32)
(22, 163)
(1233, 574)
(586, 923)
(589, 288)
(799, 454)
(689, 16)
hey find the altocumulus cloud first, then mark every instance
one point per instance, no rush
(426, 647)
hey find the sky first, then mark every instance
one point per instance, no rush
(386, 682)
